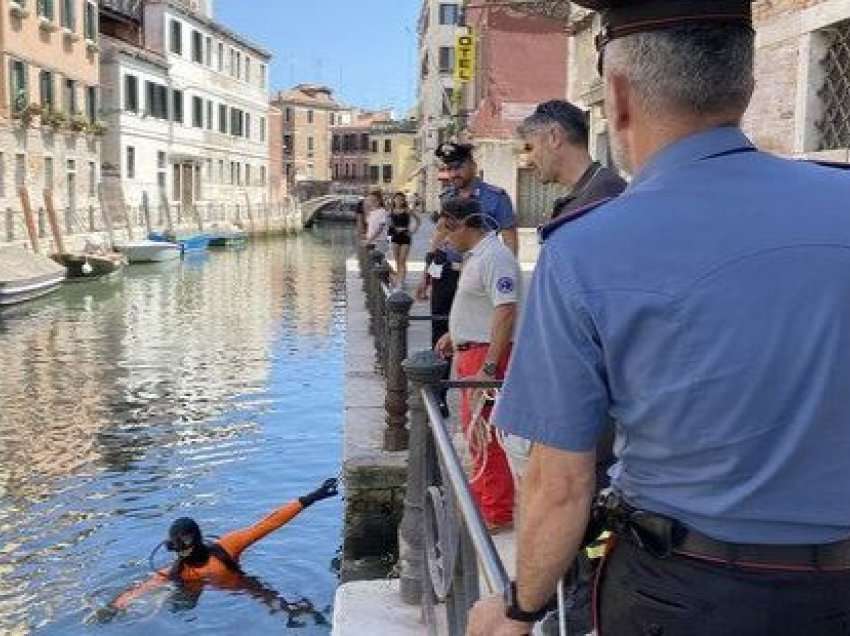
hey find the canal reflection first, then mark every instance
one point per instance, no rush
(209, 387)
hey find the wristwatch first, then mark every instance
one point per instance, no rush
(516, 613)
(490, 369)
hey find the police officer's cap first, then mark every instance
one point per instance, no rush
(453, 154)
(627, 17)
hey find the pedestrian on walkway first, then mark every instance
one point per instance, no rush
(708, 310)
(465, 184)
(480, 335)
(377, 220)
(401, 234)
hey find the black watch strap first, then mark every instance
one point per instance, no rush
(516, 613)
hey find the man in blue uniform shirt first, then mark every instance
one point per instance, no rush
(465, 184)
(708, 311)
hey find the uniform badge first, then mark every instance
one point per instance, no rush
(505, 285)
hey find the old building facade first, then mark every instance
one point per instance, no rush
(802, 78)
(800, 106)
(439, 26)
(392, 157)
(49, 108)
(351, 150)
(188, 107)
(309, 112)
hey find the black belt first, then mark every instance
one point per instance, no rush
(468, 346)
(662, 537)
(828, 556)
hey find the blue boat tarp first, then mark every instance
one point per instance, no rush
(187, 242)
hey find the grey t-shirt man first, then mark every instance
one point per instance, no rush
(597, 183)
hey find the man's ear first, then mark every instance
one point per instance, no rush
(619, 103)
(556, 137)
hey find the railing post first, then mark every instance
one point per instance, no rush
(381, 273)
(398, 320)
(422, 369)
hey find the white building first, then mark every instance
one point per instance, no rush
(438, 30)
(137, 145)
(188, 102)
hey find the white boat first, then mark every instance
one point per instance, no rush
(26, 276)
(149, 251)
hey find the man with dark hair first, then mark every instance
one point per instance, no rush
(708, 310)
(465, 184)
(555, 139)
(481, 325)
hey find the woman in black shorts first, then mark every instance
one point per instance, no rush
(401, 235)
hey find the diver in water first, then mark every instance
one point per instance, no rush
(200, 562)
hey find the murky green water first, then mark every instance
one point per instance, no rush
(209, 388)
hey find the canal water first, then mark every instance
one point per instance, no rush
(210, 388)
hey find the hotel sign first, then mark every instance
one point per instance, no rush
(465, 58)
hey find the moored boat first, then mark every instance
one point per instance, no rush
(149, 251)
(187, 242)
(81, 265)
(228, 238)
(26, 276)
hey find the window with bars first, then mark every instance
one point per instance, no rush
(834, 93)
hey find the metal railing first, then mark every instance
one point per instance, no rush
(443, 541)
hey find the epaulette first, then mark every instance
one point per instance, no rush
(546, 230)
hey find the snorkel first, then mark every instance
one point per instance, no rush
(184, 539)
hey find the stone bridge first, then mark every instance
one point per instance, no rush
(338, 207)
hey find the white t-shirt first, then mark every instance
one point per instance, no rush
(490, 277)
(377, 224)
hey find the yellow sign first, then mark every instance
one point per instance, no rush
(465, 58)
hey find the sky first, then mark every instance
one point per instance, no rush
(364, 49)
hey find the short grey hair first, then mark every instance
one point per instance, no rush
(699, 69)
(557, 112)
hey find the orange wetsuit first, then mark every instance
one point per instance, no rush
(214, 570)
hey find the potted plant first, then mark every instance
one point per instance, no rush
(28, 113)
(97, 128)
(79, 124)
(55, 119)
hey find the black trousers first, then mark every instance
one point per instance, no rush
(443, 291)
(640, 595)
